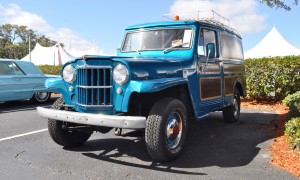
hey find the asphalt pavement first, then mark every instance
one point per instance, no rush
(214, 150)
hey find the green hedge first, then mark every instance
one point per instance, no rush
(292, 130)
(273, 77)
(293, 102)
(48, 69)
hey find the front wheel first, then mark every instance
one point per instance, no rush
(166, 129)
(232, 113)
(41, 97)
(61, 132)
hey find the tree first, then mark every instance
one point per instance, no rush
(279, 4)
(14, 41)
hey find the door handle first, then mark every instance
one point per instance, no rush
(202, 66)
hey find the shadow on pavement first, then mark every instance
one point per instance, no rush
(14, 106)
(210, 142)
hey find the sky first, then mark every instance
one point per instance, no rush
(98, 26)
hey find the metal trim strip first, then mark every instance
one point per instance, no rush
(95, 106)
(94, 87)
(93, 67)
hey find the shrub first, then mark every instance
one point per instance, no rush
(292, 130)
(272, 77)
(48, 69)
(293, 102)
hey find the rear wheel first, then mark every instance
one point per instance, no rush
(62, 133)
(232, 113)
(166, 129)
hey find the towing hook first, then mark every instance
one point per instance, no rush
(118, 131)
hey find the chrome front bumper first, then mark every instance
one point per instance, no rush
(127, 122)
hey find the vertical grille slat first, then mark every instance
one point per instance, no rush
(92, 83)
(98, 84)
(94, 86)
(104, 79)
(85, 83)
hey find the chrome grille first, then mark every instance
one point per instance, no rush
(94, 86)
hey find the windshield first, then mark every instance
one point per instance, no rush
(158, 39)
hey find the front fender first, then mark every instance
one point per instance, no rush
(149, 86)
(58, 85)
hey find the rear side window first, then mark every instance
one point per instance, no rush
(231, 46)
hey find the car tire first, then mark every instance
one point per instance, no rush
(232, 113)
(61, 134)
(166, 129)
(41, 97)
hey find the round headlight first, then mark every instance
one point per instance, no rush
(120, 74)
(69, 74)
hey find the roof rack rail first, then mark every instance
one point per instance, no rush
(210, 16)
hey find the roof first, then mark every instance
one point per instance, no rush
(272, 45)
(27, 67)
(162, 23)
(11, 60)
(187, 23)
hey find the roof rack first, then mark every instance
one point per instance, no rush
(210, 16)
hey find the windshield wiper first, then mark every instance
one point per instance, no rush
(139, 51)
(177, 45)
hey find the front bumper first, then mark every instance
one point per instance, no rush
(127, 122)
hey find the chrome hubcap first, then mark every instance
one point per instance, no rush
(235, 107)
(42, 95)
(174, 130)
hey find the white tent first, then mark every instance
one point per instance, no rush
(79, 52)
(55, 55)
(272, 45)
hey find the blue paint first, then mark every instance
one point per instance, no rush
(20, 84)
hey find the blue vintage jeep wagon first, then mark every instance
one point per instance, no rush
(164, 75)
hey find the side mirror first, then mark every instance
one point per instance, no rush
(210, 50)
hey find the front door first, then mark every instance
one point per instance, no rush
(209, 71)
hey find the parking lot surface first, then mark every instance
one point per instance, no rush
(214, 150)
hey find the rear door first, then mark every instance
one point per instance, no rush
(233, 64)
(209, 71)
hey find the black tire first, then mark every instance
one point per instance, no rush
(232, 113)
(161, 130)
(41, 97)
(63, 136)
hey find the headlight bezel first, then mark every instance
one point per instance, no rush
(69, 74)
(120, 74)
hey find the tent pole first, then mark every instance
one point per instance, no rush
(29, 47)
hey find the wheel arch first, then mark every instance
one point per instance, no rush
(239, 86)
(147, 100)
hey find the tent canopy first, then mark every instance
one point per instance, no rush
(272, 45)
(55, 55)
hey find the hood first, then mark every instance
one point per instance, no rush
(143, 68)
(150, 68)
